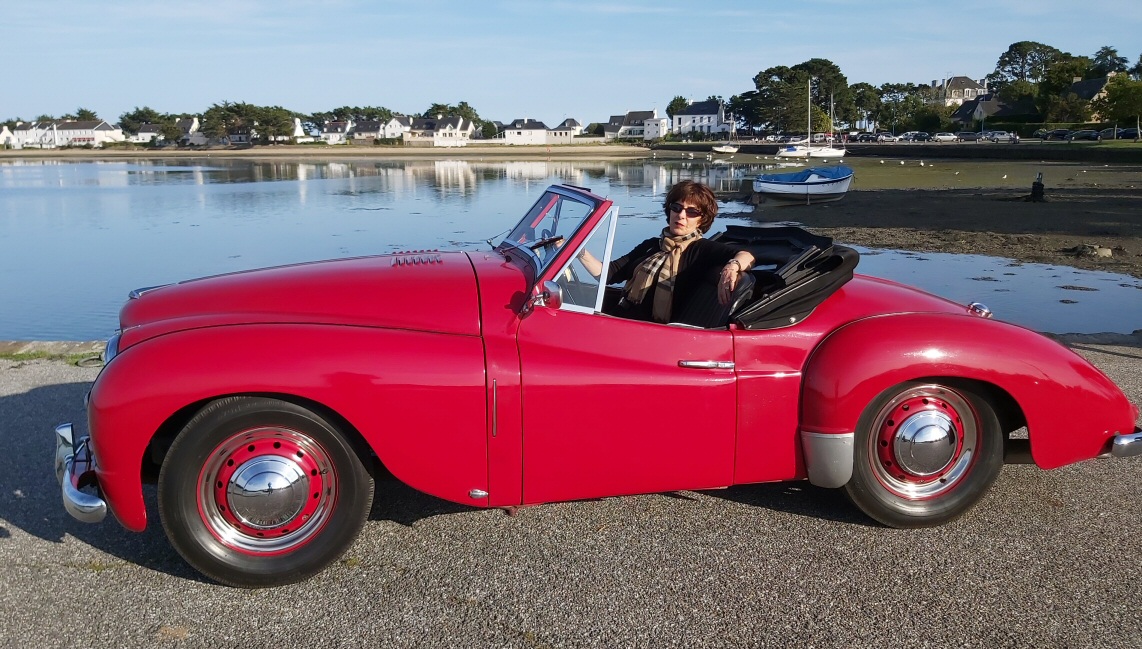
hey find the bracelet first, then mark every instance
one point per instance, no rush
(735, 261)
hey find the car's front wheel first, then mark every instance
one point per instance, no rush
(924, 453)
(259, 492)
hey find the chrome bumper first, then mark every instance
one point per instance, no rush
(75, 466)
(1127, 445)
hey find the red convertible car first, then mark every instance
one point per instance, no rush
(264, 402)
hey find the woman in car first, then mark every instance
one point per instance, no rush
(665, 271)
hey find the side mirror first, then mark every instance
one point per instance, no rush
(548, 294)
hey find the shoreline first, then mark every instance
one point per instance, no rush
(341, 152)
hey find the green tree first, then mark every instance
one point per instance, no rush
(1023, 61)
(1018, 90)
(1107, 60)
(273, 122)
(489, 130)
(1056, 85)
(1136, 71)
(866, 102)
(1123, 101)
(830, 87)
(170, 130)
(745, 110)
(132, 121)
(1067, 107)
(85, 115)
(676, 105)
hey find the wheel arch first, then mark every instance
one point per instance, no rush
(1068, 405)
(169, 429)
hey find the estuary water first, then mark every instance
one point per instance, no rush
(76, 237)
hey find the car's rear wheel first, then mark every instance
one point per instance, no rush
(259, 492)
(924, 454)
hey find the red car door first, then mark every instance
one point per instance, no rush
(614, 406)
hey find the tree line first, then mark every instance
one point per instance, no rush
(1028, 73)
(271, 122)
(781, 100)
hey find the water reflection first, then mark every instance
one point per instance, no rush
(75, 237)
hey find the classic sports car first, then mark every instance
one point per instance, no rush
(263, 402)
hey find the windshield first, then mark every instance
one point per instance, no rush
(549, 224)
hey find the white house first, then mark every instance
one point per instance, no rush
(526, 131)
(337, 132)
(7, 140)
(147, 133)
(453, 131)
(655, 128)
(192, 134)
(572, 125)
(396, 127)
(49, 135)
(367, 131)
(956, 90)
(632, 126)
(705, 117)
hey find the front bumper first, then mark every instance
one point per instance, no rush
(1127, 445)
(75, 468)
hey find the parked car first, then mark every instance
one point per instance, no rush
(1128, 134)
(998, 136)
(1058, 134)
(944, 137)
(886, 137)
(921, 136)
(1084, 134)
(866, 137)
(1111, 133)
(499, 379)
(968, 136)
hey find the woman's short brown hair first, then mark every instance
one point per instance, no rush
(698, 195)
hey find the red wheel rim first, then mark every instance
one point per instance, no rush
(923, 442)
(267, 490)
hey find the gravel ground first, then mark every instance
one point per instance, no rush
(1049, 558)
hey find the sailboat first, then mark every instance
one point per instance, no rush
(806, 149)
(730, 146)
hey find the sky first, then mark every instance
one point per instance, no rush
(508, 59)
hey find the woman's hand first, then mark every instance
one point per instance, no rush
(731, 273)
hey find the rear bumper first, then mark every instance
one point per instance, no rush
(75, 468)
(1126, 445)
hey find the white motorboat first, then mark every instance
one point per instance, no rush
(811, 185)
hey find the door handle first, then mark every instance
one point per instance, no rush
(707, 365)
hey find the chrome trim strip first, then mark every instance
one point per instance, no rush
(828, 458)
(495, 410)
(1127, 445)
(707, 365)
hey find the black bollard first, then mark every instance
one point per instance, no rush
(1037, 189)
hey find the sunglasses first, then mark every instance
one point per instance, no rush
(692, 212)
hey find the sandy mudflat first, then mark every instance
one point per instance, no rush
(996, 222)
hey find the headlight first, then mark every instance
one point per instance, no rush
(111, 350)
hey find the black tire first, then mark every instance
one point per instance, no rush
(924, 453)
(259, 492)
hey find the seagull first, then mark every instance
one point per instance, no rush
(1005, 176)
(881, 162)
(901, 162)
(957, 173)
(921, 163)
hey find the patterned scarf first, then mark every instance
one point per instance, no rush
(662, 265)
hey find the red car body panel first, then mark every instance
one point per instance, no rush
(400, 291)
(1072, 408)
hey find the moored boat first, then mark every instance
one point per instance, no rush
(811, 185)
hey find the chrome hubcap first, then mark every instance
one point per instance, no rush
(267, 491)
(925, 444)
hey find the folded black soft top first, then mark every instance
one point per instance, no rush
(794, 271)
